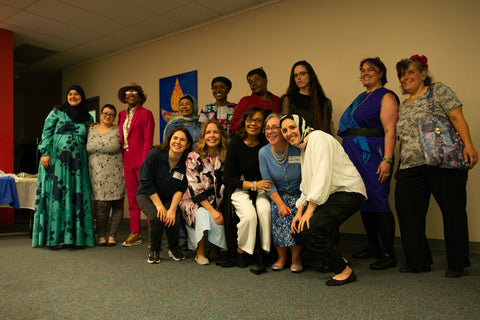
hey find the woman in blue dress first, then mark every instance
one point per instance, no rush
(368, 131)
(280, 163)
(63, 210)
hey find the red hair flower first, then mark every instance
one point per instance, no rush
(422, 59)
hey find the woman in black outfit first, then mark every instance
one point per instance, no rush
(306, 98)
(248, 197)
(163, 181)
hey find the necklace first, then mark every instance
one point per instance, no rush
(283, 155)
(363, 100)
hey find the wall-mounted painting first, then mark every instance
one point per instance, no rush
(171, 90)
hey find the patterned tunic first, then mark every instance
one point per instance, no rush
(105, 164)
(222, 114)
(205, 182)
(444, 101)
(63, 211)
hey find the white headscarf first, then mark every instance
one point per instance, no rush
(302, 127)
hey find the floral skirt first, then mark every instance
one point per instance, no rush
(281, 232)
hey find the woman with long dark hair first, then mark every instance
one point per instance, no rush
(305, 97)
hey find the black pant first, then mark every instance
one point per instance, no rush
(157, 226)
(412, 195)
(327, 218)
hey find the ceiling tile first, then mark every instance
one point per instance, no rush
(106, 44)
(50, 27)
(80, 30)
(19, 4)
(22, 35)
(160, 6)
(223, 7)
(190, 14)
(6, 11)
(73, 16)
(124, 12)
(132, 35)
(161, 26)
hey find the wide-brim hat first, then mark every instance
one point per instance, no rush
(134, 86)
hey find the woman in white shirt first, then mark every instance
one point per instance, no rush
(332, 191)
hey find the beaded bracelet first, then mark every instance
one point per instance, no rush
(254, 186)
(387, 160)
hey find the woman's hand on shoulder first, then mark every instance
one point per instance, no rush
(45, 161)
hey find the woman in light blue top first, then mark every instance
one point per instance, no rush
(280, 163)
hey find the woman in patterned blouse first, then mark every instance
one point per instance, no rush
(202, 202)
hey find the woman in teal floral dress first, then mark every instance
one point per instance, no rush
(63, 210)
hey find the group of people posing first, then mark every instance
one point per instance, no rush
(236, 177)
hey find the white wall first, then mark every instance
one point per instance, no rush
(333, 37)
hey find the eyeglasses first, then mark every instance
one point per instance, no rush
(272, 128)
(130, 92)
(108, 114)
(257, 121)
(300, 74)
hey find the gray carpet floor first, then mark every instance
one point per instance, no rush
(117, 283)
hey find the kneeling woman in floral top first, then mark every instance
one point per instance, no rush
(202, 202)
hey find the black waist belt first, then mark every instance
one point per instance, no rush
(364, 132)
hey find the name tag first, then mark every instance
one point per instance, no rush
(294, 159)
(178, 175)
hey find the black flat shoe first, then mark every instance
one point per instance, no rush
(333, 282)
(453, 273)
(384, 262)
(242, 260)
(111, 244)
(410, 269)
(367, 253)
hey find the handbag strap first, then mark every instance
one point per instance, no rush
(430, 99)
(430, 103)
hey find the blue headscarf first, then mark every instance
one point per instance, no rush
(181, 119)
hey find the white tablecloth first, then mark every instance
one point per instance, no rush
(26, 190)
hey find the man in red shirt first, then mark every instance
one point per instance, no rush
(261, 97)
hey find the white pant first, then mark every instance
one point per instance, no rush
(247, 227)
